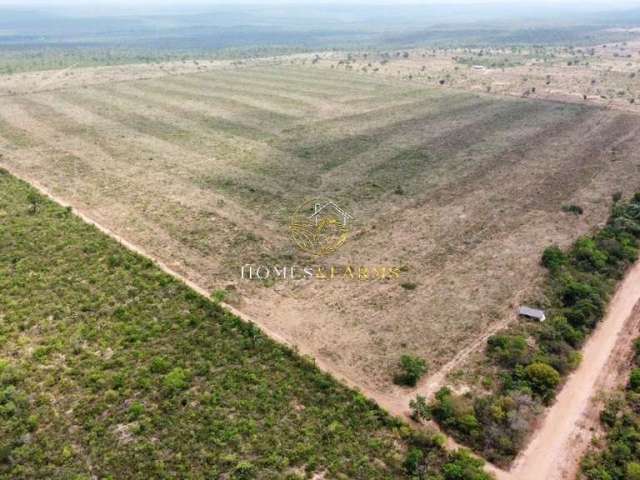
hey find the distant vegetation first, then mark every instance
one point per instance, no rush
(530, 360)
(457, 35)
(17, 59)
(42, 39)
(111, 368)
(491, 61)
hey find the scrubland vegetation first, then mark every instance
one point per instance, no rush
(531, 359)
(16, 60)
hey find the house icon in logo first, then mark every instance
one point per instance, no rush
(319, 226)
(327, 208)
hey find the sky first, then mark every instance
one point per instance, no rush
(135, 7)
(164, 3)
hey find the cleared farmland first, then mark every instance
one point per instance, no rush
(463, 190)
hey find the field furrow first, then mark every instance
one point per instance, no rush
(463, 191)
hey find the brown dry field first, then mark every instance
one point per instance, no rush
(201, 166)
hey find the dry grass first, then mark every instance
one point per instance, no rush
(463, 189)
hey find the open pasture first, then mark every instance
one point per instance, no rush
(463, 190)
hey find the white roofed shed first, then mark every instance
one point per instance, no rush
(533, 313)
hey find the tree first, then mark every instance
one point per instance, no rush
(443, 407)
(543, 378)
(412, 369)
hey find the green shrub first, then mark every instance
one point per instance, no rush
(160, 365)
(34, 202)
(176, 380)
(462, 466)
(244, 470)
(636, 350)
(560, 330)
(455, 411)
(136, 410)
(443, 407)
(543, 378)
(412, 369)
(588, 256)
(219, 296)
(553, 258)
(634, 379)
(632, 471)
(413, 461)
(508, 350)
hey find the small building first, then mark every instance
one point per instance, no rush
(533, 313)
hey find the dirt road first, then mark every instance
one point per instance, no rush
(555, 449)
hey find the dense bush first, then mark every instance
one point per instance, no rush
(542, 378)
(531, 359)
(421, 464)
(509, 350)
(553, 258)
(462, 466)
(495, 425)
(620, 457)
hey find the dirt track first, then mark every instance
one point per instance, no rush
(556, 448)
